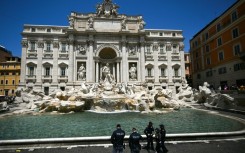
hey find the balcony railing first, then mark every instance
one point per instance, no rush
(175, 58)
(32, 54)
(63, 54)
(175, 52)
(63, 78)
(163, 79)
(150, 79)
(177, 79)
(30, 78)
(48, 54)
(47, 78)
(162, 58)
(149, 57)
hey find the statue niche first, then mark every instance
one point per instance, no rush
(106, 74)
(133, 72)
(81, 72)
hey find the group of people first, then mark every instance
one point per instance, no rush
(117, 139)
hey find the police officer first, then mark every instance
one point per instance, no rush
(134, 141)
(149, 135)
(117, 140)
(160, 139)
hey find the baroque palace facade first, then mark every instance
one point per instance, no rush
(59, 57)
(218, 50)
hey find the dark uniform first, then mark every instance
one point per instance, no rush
(149, 134)
(160, 139)
(117, 140)
(134, 141)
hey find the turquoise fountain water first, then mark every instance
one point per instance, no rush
(93, 124)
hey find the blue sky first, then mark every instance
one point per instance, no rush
(187, 15)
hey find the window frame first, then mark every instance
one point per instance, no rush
(219, 41)
(208, 61)
(234, 16)
(207, 48)
(218, 27)
(48, 46)
(235, 33)
(63, 71)
(163, 72)
(149, 70)
(235, 51)
(222, 70)
(63, 47)
(47, 71)
(223, 55)
(31, 70)
(32, 45)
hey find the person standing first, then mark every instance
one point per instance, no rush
(117, 138)
(149, 135)
(160, 139)
(134, 141)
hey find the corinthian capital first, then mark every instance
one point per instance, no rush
(90, 42)
(124, 42)
(24, 43)
(40, 44)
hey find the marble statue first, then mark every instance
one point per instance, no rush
(132, 72)
(114, 10)
(81, 72)
(90, 23)
(99, 8)
(71, 22)
(132, 51)
(106, 74)
(123, 23)
(107, 8)
(141, 23)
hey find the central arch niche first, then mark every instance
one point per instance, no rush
(107, 53)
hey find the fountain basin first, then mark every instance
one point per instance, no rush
(89, 124)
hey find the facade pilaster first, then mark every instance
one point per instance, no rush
(71, 60)
(182, 57)
(97, 71)
(23, 71)
(55, 64)
(90, 62)
(156, 68)
(142, 58)
(170, 68)
(118, 73)
(39, 71)
(124, 60)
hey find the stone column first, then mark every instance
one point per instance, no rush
(118, 80)
(23, 74)
(90, 64)
(142, 58)
(40, 70)
(169, 67)
(114, 70)
(156, 69)
(71, 60)
(55, 63)
(124, 69)
(97, 71)
(121, 73)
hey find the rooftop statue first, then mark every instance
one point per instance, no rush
(107, 8)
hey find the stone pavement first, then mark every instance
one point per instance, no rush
(236, 145)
